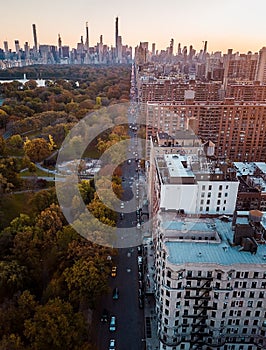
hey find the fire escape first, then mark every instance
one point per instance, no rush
(201, 296)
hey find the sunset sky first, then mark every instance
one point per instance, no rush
(236, 24)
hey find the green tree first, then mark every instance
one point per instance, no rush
(13, 278)
(15, 142)
(86, 190)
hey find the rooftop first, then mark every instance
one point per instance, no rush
(191, 168)
(200, 240)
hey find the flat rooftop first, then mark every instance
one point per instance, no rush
(215, 246)
(175, 165)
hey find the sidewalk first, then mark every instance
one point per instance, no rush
(152, 341)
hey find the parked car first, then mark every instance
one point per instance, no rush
(112, 326)
(115, 293)
(104, 317)
(139, 250)
(141, 303)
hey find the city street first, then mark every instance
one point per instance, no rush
(130, 321)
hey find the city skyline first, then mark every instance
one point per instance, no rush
(223, 26)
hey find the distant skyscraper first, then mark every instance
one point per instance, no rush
(261, 68)
(6, 46)
(26, 49)
(153, 48)
(116, 35)
(87, 37)
(35, 37)
(17, 47)
(119, 48)
(59, 46)
(179, 49)
(205, 46)
(171, 48)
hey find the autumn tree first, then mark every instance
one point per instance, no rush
(3, 119)
(86, 280)
(37, 149)
(55, 326)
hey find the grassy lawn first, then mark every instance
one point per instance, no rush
(12, 205)
(38, 172)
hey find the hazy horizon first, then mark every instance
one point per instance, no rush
(234, 24)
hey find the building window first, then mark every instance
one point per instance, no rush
(220, 187)
(210, 188)
(209, 194)
(207, 208)
(218, 209)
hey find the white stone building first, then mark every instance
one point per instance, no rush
(190, 183)
(210, 278)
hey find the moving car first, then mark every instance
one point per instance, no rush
(112, 326)
(115, 293)
(112, 344)
(114, 271)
